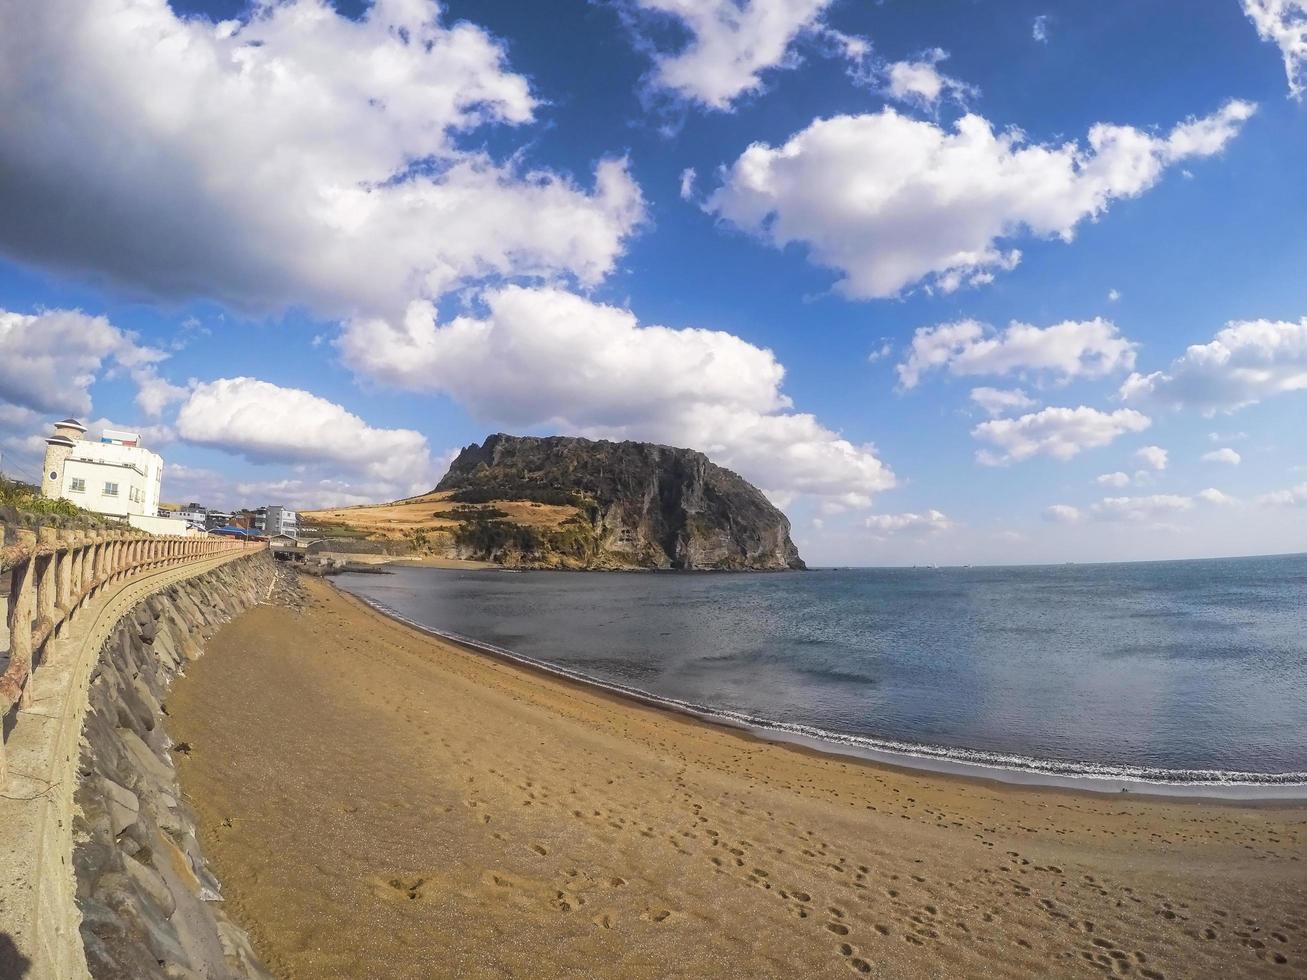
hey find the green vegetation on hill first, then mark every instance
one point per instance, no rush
(487, 533)
(514, 489)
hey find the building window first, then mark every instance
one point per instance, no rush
(54, 474)
(111, 489)
(77, 485)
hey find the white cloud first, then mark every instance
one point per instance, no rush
(1144, 508)
(1154, 457)
(308, 491)
(266, 423)
(1224, 455)
(911, 523)
(49, 360)
(1140, 508)
(296, 158)
(22, 442)
(1063, 514)
(547, 357)
(921, 83)
(154, 394)
(1001, 401)
(1247, 361)
(891, 202)
(1113, 295)
(1284, 23)
(1090, 348)
(1213, 496)
(688, 176)
(1293, 497)
(1117, 479)
(1058, 432)
(881, 352)
(1039, 29)
(731, 43)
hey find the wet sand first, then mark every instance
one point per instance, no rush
(378, 803)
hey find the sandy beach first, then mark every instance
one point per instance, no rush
(378, 803)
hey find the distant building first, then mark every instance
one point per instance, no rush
(216, 518)
(193, 513)
(279, 520)
(116, 476)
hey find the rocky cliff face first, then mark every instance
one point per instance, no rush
(638, 505)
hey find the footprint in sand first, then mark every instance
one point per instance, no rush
(660, 916)
(398, 888)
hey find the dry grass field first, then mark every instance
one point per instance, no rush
(432, 514)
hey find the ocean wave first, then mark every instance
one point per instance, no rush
(907, 754)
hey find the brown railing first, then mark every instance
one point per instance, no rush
(54, 573)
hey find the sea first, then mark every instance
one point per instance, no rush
(1179, 677)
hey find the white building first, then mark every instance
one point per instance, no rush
(116, 476)
(192, 513)
(279, 520)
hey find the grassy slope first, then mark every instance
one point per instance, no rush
(436, 525)
(22, 503)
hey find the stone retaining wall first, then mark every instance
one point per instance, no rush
(147, 901)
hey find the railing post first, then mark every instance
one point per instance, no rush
(102, 559)
(62, 572)
(22, 587)
(46, 589)
(75, 546)
(82, 569)
(93, 564)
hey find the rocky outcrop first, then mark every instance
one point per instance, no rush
(146, 899)
(638, 505)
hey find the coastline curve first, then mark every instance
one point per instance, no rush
(956, 761)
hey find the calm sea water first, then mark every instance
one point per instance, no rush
(1167, 672)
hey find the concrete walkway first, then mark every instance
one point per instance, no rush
(39, 938)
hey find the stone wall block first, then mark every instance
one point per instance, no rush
(152, 883)
(149, 714)
(124, 808)
(143, 888)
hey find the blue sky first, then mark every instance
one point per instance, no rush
(314, 249)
